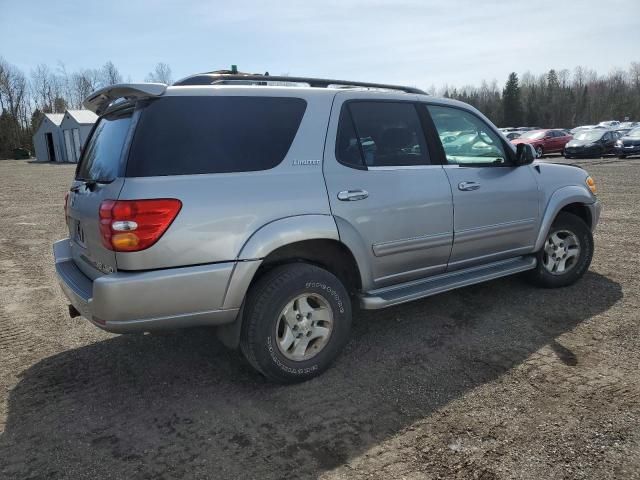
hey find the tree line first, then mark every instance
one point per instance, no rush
(558, 98)
(24, 99)
(555, 99)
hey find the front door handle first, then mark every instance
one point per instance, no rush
(468, 186)
(352, 195)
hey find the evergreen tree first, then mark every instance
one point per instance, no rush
(511, 102)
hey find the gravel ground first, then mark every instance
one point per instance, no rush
(494, 381)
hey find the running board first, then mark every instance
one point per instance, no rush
(406, 292)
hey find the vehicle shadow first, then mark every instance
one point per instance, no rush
(181, 406)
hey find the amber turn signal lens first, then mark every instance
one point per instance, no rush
(124, 242)
(591, 184)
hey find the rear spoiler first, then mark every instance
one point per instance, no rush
(101, 99)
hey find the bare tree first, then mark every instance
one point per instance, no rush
(14, 107)
(160, 74)
(82, 84)
(109, 74)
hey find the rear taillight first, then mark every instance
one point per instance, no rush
(66, 204)
(133, 225)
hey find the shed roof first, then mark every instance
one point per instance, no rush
(83, 117)
(56, 118)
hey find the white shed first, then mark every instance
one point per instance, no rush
(76, 126)
(47, 141)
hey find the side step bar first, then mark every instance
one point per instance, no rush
(406, 292)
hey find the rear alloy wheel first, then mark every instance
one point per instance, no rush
(566, 253)
(539, 151)
(296, 321)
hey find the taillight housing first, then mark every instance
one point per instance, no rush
(134, 225)
(66, 204)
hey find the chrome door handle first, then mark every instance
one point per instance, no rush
(352, 195)
(468, 186)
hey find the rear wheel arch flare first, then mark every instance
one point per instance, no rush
(329, 254)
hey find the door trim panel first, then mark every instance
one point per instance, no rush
(506, 228)
(410, 244)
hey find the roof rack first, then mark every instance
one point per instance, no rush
(214, 78)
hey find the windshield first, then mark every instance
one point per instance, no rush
(589, 135)
(635, 133)
(533, 135)
(101, 158)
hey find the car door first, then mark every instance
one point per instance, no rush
(392, 205)
(609, 140)
(563, 139)
(496, 204)
(555, 141)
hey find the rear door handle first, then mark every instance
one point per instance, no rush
(352, 195)
(468, 186)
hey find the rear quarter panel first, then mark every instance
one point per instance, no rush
(220, 212)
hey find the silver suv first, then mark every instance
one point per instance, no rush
(268, 206)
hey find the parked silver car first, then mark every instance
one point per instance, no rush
(267, 211)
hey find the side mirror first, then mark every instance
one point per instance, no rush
(524, 154)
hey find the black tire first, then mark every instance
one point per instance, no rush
(265, 302)
(540, 276)
(567, 156)
(622, 157)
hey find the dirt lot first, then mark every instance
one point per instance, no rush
(495, 381)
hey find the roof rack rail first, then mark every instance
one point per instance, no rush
(221, 79)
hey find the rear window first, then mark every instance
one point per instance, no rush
(195, 135)
(101, 156)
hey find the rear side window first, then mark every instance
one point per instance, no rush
(378, 134)
(194, 135)
(101, 158)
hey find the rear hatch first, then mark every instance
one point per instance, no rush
(99, 177)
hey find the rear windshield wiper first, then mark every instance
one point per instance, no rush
(90, 183)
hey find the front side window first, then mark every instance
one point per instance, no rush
(380, 134)
(466, 139)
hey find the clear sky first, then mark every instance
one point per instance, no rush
(414, 42)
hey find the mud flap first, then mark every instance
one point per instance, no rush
(229, 334)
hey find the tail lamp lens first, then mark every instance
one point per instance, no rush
(66, 204)
(133, 225)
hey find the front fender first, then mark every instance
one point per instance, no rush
(559, 199)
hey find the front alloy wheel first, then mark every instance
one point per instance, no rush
(566, 253)
(561, 252)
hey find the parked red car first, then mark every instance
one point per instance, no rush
(545, 141)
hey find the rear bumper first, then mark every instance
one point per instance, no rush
(125, 302)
